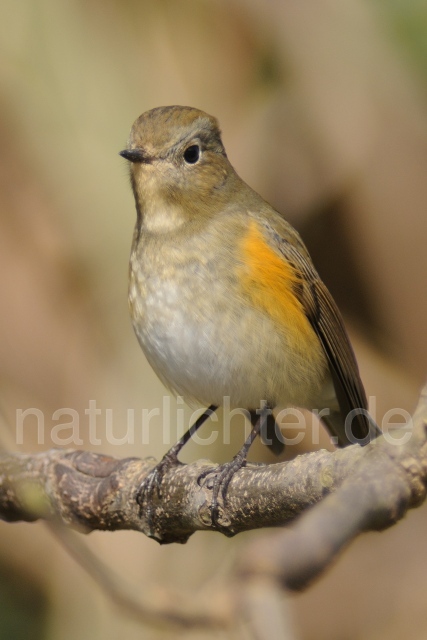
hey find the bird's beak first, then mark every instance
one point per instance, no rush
(135, 155)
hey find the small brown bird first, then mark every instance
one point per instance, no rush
(224, 298)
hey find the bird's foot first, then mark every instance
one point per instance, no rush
(218, 481)
(151, 488)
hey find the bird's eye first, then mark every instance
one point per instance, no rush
(192, 154)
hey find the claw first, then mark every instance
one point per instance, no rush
(218, 483)
(223, 475)
(153, 484)
(153, 481)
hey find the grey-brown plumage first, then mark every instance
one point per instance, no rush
(224, 298)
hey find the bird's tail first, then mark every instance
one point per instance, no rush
(342, 430)
(270, 435)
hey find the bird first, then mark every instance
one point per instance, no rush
(224, 298)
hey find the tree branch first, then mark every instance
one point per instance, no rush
(89, 491)
(348, 491)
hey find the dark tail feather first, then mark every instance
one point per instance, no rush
(271, 435)
(361, 430)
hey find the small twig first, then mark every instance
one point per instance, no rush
(387, 481)
(158, 608)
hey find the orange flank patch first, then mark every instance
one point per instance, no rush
(269, 281)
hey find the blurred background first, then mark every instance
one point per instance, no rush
(323, 108)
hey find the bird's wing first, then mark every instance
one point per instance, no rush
(326, 321)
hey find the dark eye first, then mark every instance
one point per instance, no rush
(192, 154)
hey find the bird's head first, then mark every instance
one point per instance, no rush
(178, 166)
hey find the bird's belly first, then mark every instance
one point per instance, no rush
(207, 345)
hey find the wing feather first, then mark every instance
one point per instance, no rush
(326, 321)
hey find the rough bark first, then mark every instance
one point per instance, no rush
(354, 490)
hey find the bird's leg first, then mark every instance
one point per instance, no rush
(154, 479)
(224, 474)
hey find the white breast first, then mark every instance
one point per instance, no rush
(204, 343)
